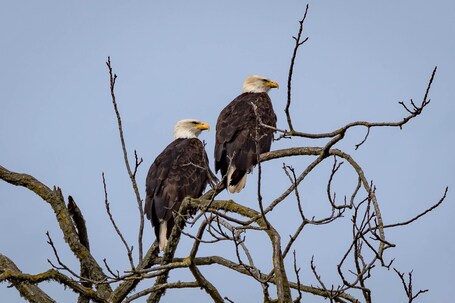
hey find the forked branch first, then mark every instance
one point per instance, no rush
(298, 42)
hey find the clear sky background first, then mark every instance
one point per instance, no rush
(188, 59)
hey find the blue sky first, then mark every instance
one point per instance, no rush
(180, 60)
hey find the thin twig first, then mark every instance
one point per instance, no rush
(298, 43)
(113, 78)
(408, 286)
(62, 265)
(293, 178)
(161, 287)
(420, 214)
(414, 112)
(297, 271)
(258, 159)
(115, 275)
(119, 233)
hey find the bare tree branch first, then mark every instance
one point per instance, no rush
(204, 283)
(420, 214)
(128, 285)
(297, 270)
(28, 290)
(62, 265)
(112, 79)
(161, 287)
(55, 199)
(417, 110)
(408, 286)
(9, 271)
(211, 260)
(79, 223)
(228, 221)
(298, 42)
(117, 230)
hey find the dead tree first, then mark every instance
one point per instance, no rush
(227, 221)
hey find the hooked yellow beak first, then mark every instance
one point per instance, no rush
(272, 84)
(203, 126)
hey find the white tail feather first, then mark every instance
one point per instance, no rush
(239, 186)
(163, 230)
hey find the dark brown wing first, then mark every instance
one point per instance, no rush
(236, 132)
(180, 170)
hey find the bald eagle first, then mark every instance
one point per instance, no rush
(239, 137)
(180, 170)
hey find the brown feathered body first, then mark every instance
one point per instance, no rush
(240, 137)
(180, 170)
